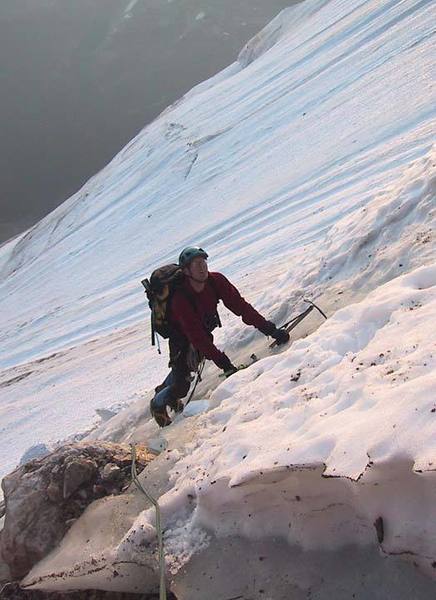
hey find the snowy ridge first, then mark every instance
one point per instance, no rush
(307, 168)
(392, 234)
(289, 20)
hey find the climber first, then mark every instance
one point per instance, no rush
(192, 294)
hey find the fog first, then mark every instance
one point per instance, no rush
(79, 79)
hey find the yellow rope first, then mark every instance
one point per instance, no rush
(162, 586)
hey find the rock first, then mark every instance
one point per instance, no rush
(111, 472)
(77, 472)
(98, 491)
(12, 591)
(5, 574)
(54, 493)
(45, 496)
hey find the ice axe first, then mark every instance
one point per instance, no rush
(292, 323)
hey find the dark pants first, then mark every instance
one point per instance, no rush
(178, 381)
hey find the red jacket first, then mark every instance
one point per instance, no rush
(193, 321)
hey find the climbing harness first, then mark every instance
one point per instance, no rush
(162, 585)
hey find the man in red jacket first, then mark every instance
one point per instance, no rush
(193, 316)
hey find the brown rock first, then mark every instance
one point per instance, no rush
(111, 472)
(77, 472)
(54, 493)
(98, 491)
(44, 496)
(5, 574)
(12, 591)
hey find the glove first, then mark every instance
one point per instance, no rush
(268, 328)
(228, 368)
(281, 336)
(231, 371)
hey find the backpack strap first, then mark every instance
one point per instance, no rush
(191, 298)
(214, 287)
(186, 294)
(218, 298)
(147, 288)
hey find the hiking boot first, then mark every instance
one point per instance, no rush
(160, 415)
(176, 405)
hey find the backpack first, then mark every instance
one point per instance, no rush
(159, 290)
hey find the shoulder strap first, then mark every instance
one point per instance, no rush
(187, 294)
(212, 282)
(191, 298)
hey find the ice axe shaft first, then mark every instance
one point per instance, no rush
(315, 306)
(290, 325)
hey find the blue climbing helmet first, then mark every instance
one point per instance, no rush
(189, 253)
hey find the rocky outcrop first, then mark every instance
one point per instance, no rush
(45, 496)
(5, 574)
(12, 591)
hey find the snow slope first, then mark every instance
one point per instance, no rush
(305, 168)
(311, 447)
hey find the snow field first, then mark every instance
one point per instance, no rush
(306, 168)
